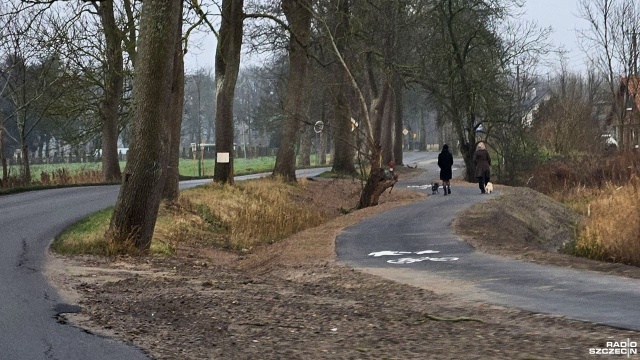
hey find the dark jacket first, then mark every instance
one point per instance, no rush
(482, 160)
(445, 162)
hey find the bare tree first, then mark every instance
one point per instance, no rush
(378, 180)
(174, 119)
(226, 70)
(113, 87)
(296, 105)
(135, 213)
(611, 45)
(34, 78)
(343, 161)
(103, 62)
(475, 53)
(564, 123)
(199, 121)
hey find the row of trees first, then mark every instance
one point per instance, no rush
(355, 64)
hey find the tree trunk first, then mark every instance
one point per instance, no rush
(297, 98)
(134, 216)
(399, 117)
(344, 139)
(3, 158)
(467, 141)
(377, 182)
(322, 147)
(305, 146)
(174, 124)
(113, 88)
(376, 108)
(26, 169)
(226, 69)
(387, 135)
(423, 131)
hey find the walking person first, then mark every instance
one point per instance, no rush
(482, 160)
(445, 162)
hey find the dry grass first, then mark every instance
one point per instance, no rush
(612, 225)
(249, 214)
(65, 177)
(237, 218)
(56, 177)
(605, 190)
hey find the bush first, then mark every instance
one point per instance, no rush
(561, 174)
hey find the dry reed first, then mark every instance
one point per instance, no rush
(605, 190)
(612, 228)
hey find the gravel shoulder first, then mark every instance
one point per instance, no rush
(291, 300)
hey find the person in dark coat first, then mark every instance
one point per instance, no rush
(482, 160)
(445, 162)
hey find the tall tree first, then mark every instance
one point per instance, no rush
(399, 124)
(564, 123)
(342, 128)
(296, 103)
(113, 87)
(226, 69)
(134, 216)
(199, 114)
(611, 43)
(475, 48)
(174, 120)
(377, 180)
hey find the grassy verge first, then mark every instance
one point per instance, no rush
(87, 237)
(237, 218)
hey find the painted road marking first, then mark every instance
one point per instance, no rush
(389, 253)
(411, 260)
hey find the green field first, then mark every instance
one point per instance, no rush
(241, 166)
(188, 167)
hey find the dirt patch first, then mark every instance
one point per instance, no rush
(291, 301)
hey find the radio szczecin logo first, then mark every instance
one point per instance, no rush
(627, 347)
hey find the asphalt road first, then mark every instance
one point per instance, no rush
(29, 306)
(414, 244)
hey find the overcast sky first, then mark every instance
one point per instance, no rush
(561, 15)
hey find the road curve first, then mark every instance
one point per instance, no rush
(29, 306)
(414, 244)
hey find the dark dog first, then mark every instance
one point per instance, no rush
(434, 188)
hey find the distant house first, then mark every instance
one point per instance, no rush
(623, 121)
(533, 98)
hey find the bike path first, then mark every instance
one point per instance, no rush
(415, 244)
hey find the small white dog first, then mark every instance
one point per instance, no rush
(488, 188)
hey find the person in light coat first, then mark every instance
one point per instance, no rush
(482, 161)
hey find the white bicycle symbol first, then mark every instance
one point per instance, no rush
(411, 260)
(402, 261)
